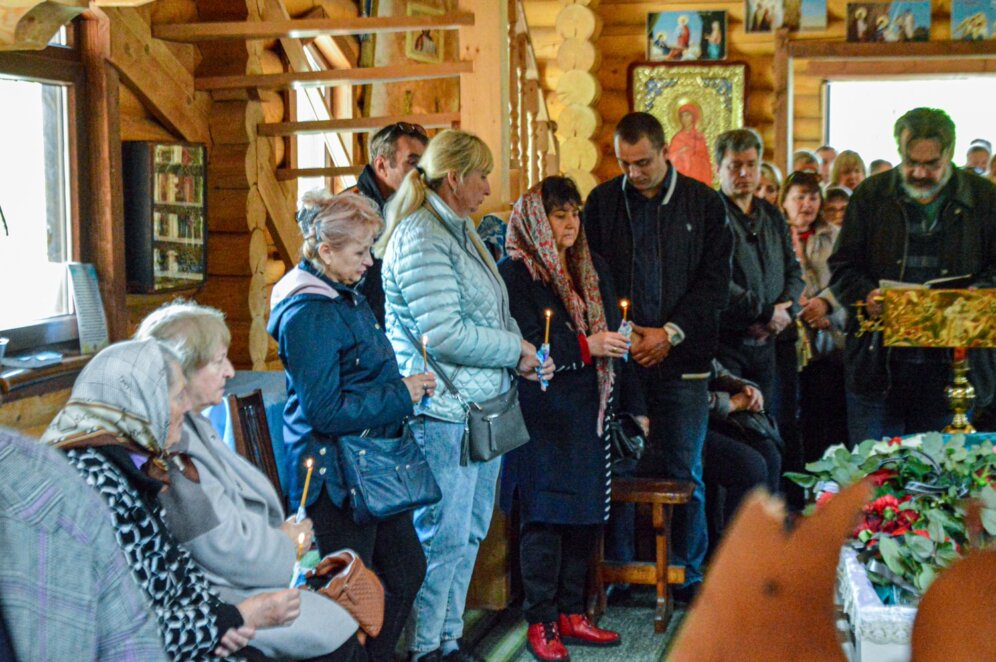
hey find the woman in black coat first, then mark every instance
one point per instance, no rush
(562, 477)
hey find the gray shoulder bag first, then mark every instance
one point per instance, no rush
(493, 427)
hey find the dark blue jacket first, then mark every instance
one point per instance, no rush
(342, 377)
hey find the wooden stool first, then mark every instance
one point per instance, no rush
(661, 495)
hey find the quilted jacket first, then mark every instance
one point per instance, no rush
(437, 284)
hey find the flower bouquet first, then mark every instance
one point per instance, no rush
(917, 523)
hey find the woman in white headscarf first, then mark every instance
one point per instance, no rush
(117, 429)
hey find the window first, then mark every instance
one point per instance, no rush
(41, 184)
(861, 114)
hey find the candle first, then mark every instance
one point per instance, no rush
(624, 304)
(307, 481)
(546, 335)
(300, 545)
(425, 353)
(297, 562)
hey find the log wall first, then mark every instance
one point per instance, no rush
(623, 41)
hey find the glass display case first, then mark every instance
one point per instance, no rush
(165, 215)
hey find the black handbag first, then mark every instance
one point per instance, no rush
(386, 476)
(493, 427)
(626, 439)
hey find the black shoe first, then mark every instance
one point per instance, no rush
(618, 593)
(462, 655)
(433, 656)
(686, 593)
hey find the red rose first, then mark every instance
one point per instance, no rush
(823, 498)
(895, 441)
(922, 532)
(882, 476)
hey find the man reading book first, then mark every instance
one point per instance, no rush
(924, 222)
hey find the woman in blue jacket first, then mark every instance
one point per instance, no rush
(441, 283)
(342, 378)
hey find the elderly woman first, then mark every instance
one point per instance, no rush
(441, 283)
(823, 418)
(233, 523)
(551, 268)
(771, 183)
(848, 170)
(343, 379)
(119, 430)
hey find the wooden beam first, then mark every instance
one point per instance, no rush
(285, 174)
(819, 49)
(334, 78)
(851, 69)
(307, 28)
(157, 77)
(280, 215)
(358, 124)
(782, 66)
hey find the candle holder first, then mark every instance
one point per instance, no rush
(961, 395)
(626, 329)
(543, 353)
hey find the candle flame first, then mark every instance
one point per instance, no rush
(624, 303)
(548, 313)
(309, 462)
(300, 538)
(425, 340)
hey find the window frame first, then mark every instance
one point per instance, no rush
(60, 65)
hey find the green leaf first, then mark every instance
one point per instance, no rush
(925, 578)
(920, 546)
(865, 447)
(890, 554)
(826, 464)
(841, 476)
(989, 520)
(804, 480)
(936, 530)
(988, 496)
(933, 445)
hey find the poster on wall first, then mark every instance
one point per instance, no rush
(796, 15)
(973, 20)
(888, 21)
(424, 45)
(686, 36)
(694, 103)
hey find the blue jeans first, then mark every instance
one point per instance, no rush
(679, 414)
(914, 403)
(450, 531)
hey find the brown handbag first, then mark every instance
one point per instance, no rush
(354, 587)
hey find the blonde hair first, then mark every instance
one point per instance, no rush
(449, 151)
(335, 220)
(194, 332)
(846, 160)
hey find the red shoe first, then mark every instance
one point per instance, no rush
(578, 629)
(545, 644)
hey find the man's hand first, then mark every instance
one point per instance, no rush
(755, 400)
(650, 345)
(758, 331)
(814, 312)
(780, 318)
(873, 303)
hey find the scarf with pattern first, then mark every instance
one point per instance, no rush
(530, 239)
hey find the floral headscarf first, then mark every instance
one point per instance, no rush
(530, 239)
(124, 391)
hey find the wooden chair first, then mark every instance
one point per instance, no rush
(662, 496)
(252, 435)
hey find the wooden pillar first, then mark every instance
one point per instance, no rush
(104, 210)
(484, 95)
(783, 101)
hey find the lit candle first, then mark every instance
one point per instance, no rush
(297, 561)
(425, 353)
(307, 483)
(300, 545)
(624, 304)
(546, 334)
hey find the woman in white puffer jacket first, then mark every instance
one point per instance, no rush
(441, 284)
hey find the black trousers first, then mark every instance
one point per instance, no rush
(554, 560)
(822, 406)
(391, 548)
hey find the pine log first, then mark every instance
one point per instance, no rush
(229, 254)
(585, 181)
(578, 22)
(578, 54)
(578, 87)
(227, 211)
(579, 154)
(173, 11)
(233, 166)
(577, 121)
(273, 105)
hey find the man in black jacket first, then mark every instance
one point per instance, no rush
(394, 152)
(668, 246)
(922, 220)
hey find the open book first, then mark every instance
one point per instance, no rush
(946, 283)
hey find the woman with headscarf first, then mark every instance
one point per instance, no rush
(688, 150)
(551, 268)
(233, 522)
(119, 429)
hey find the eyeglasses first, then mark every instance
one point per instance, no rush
(406, 129)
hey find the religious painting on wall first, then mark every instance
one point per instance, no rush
(888, 21)
(695, 103)
(424, 45)
(973, 20)
(796, 15)
(686, 35)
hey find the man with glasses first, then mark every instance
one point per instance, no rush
(767, 277)
(922, 220)
(667, 243)
(394, 152)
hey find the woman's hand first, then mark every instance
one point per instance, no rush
(234, 640)
(644, 423)
(424, 383)
(268, 610)
(529, 361)
(608, 343)
(755, 399)
(293, 529)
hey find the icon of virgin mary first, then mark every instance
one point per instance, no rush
(688, 150)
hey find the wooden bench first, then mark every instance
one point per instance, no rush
(662, 496)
